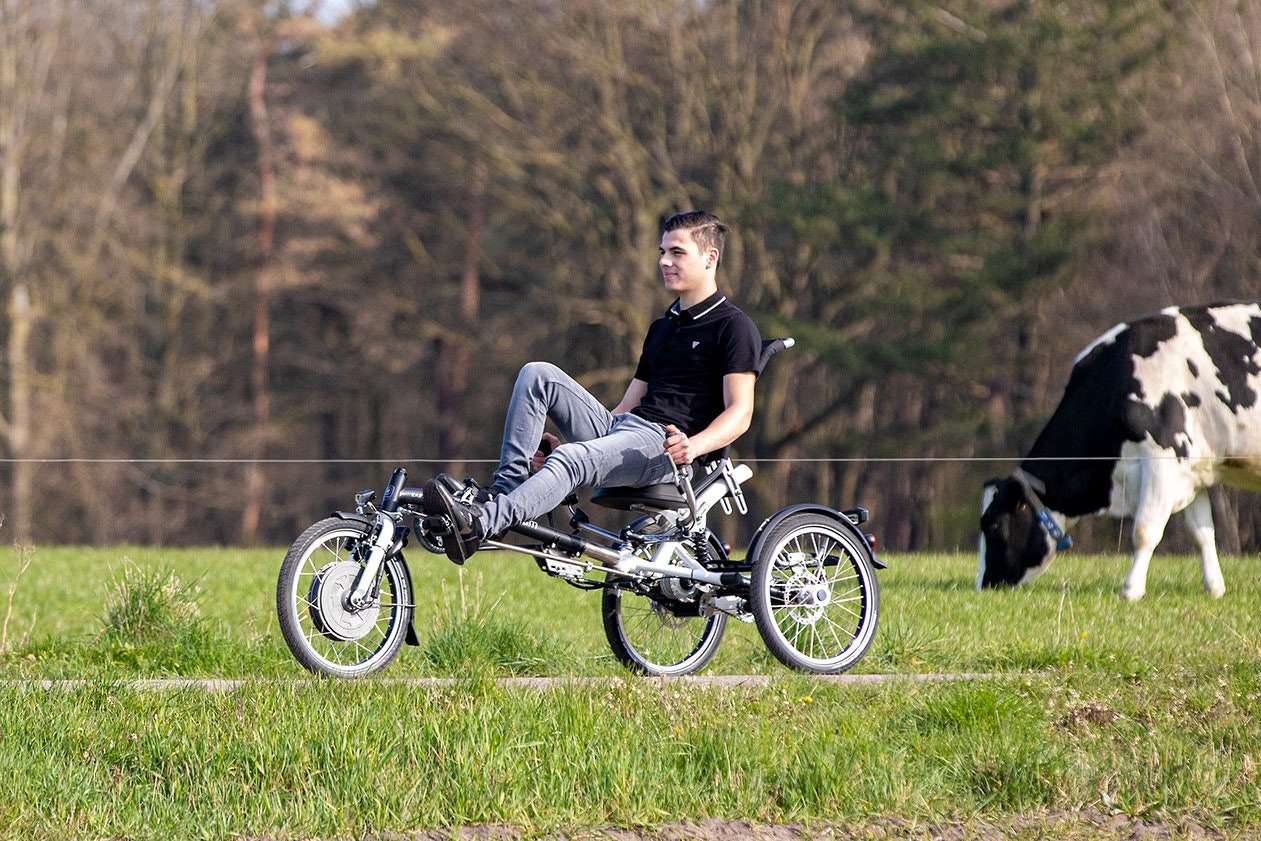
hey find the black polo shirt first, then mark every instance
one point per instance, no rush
(686, 355)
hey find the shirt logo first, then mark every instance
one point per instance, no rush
(695, 345)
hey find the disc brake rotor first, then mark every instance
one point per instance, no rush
(806, 596)
(328, 611)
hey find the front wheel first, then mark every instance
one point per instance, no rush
(325, 635)
(814, 594)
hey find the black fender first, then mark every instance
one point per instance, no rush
(816, 508)
(411, 638)
(356, 517)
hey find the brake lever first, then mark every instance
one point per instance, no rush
(682, 474)
(683, 481)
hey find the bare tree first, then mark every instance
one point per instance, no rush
(30, 107)
(267, 33)
(261, 332)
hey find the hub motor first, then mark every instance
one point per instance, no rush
(326, 600)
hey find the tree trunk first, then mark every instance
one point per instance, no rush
(454, 357)
(16, 426)
(259, 383)
(19, 421)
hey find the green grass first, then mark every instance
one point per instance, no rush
(1152, 710)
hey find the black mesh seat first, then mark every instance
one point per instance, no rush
(666, 495)
(660, 496)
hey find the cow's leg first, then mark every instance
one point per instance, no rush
(1135, 586)
(1150, 519)
(1199, 522)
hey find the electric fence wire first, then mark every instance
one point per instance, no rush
(417, 460)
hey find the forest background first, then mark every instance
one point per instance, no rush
(252, 257)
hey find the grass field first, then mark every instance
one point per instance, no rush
(1150, 709)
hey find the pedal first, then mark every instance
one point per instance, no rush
(857, 516)
(436, 524)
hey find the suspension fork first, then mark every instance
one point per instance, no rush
(383, 539)
(385, 530)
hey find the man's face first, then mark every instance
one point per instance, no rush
(685, 269)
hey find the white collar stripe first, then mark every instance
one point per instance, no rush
(721, 300)
(674, 308)
(677, 310)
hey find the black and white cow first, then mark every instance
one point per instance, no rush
(1155, 412)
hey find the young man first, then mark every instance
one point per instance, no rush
(692, 394)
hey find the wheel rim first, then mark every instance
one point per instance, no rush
(346, 641)
(659, 641)
(818, 596)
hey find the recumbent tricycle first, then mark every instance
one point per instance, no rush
(345, 595)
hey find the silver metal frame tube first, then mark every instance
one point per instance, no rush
(634, 566)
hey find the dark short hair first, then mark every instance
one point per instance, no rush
(707, 230)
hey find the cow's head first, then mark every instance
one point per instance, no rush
(1014, 548)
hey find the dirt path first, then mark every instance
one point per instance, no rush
(1051, 826)
(225, 685)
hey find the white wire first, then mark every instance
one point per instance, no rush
(414, 460)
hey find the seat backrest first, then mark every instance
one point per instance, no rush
(770, 347)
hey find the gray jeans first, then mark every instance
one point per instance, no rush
(600, 448)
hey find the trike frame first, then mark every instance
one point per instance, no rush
(345, 593)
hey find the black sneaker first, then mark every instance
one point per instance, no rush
(467, 534)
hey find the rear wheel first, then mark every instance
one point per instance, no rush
(814, 594)
(325, 635)
(652, 634)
